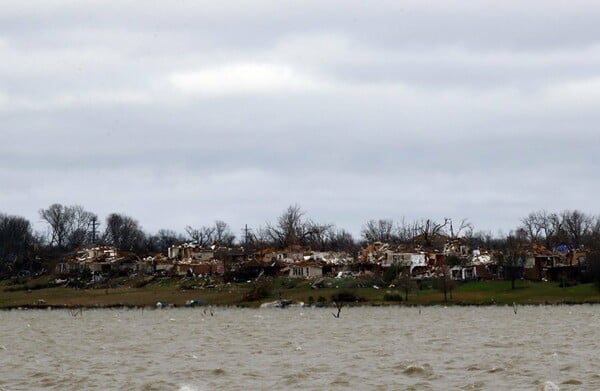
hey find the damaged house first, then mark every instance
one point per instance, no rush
(99, 260)
(304, 269)
(189, 259)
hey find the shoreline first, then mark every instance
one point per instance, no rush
(180, 293)
(36, 307)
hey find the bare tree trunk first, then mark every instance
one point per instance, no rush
(339, 309)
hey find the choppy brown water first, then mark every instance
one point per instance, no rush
(433, 348)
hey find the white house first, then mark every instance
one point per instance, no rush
(306, 270)
(189, 251)
(404, 259)
(463, 272)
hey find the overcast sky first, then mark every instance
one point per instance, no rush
(182, 112)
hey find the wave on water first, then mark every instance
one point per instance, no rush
(187, 387)
(148, 352)
(574, 382)
(419, 370)
(549, 386)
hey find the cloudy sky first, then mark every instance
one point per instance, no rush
(182, 112)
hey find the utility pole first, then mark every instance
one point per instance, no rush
(94, 222)
(446, 220)
(247, 232)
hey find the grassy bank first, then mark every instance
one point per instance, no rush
(42, 292)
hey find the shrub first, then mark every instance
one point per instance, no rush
(260, 290)
(349, 283)
(17, 280)
(142, 282)
(32, 287)
(188, 285)
(291, 283)
(345, 296)
(390, 273)
(392, 297)
(321, 301)
(565, 282)
(423, 285)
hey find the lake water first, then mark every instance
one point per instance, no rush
(368, 348)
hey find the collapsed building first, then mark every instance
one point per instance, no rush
(99, 260)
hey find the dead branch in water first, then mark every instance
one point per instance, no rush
(339, 306)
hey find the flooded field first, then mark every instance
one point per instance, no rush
(370, 348)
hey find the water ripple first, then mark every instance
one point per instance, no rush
(469, 348)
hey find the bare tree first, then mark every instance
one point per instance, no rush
(289, 229)
(342, 240)
(338, 305)
(56, 218)
(69, 225)
(552, 228)
(203, 236)
(483, 239)
(594, 262)
(293, 228)
(223, 234)
(385, 230)
(569, 227)
(257, 239)
(163, 239)
(80, 226)
(16, 244)
(206, 235)
(319, 236)
(544, 227)
(513, 259)
(534, 224)
(382, 230)
(124, 233)
(428, 229)
(406, 283)
(444, 282)
(465, 228)
(577, 226)
(593, 240)
(406, 231)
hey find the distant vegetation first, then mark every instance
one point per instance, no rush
(128, 291)
(25, 252)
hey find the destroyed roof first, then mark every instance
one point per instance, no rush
(307, 264)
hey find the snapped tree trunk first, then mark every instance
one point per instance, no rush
(339, 306)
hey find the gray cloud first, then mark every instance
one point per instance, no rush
(186, 112)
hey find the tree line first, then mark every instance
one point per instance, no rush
(70, 227)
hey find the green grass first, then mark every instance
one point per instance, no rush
(170, 291)
(526, 292)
